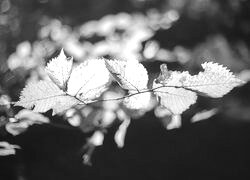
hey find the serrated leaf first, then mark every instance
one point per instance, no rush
(177, 90)
(176, 100)
(130, 74)
(59, 69)
(88, 80)
(215, 80)
(45, 95)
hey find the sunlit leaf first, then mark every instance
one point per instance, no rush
(178, 90)
(138, 101)
(45, 95)
(129, 74)
(215, 80)
(88, 80)
(176, 100)
(59, 69)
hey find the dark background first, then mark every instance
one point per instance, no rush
(217, 148)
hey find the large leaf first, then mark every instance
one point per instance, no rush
(129, 74)
(69, 87)
(215, 80)
(88, 80)
(176, 100)
(177, 90)
(45, 95)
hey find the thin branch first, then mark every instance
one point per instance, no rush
(120, 98)
(127, 96)
(123, 97)
(141, 92)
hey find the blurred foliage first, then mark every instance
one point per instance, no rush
(181, 33)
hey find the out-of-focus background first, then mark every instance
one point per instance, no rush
(181, 33)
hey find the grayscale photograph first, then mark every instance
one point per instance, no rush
(124, 89)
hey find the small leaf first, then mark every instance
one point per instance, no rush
(7, 148)
(88, 80)
(17, 128)
(45, 95)
(23, 119)
(175, 122)
(28, 115)
(164, 75)
(203, 115)
(59, 69)
(130, 74)
(97, 138)
(121, 133)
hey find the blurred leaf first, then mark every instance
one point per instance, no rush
(7, 149)
(23, 119)
(203, 115)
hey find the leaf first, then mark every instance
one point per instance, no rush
(23, 119)
(138, 101)
(7, 148)
(88, 80)
(29, 115)
(177, 90)
(59, 69)
(173, 97)
(168, 120)
(176, 100)
(203, 115)
(215, 81)
(45, 95)
(175, 122)
(130, 74)
(121, 133)
(97, 138)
